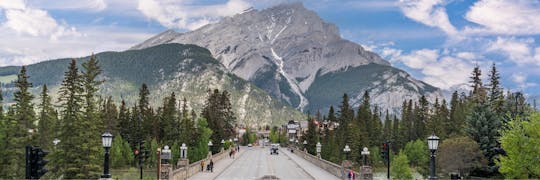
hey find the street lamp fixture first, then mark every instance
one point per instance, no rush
(346, 150)
(183, 151)
(433, 144)
(365, 153)
(318, 149)
(106, 139)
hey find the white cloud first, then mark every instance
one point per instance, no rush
(22, 50)
(178, 14)
(516, 17)
(12, 4)
(519, 51)
(88, 5)
(521, 80)
(36, 22)
(440, 70)
(429, 12)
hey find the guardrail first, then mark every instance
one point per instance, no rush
(328, 166)
(194, 168)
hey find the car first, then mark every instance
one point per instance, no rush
(250, 145)
(274, 149)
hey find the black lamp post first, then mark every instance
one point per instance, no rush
(365, 154)
(347, 150)
(107, 141)
(210, 146)
(433, 144)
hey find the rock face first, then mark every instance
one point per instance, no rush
(285, 49)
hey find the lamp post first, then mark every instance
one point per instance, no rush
(183, 151)
(433, 144)
(318, 149)
(210, 146)
(347, 150)
(107, 141)
(365, 154)
(222, 144)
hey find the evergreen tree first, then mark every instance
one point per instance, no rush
(422, 115)
(74, 161)
(218, 112)
(395, 134)
(457, 117)
(479, 93)
(109, 114)
(483, 126)
(92, 122)
(13, 149)
(169, 120)
(346, 115)
(188, 134)
(24, 125)
(496, 97)
(387, 132)
(48, 121)
(124, 121)
(377, 128)
(311, 136)
(365, 118)
(443, 119)
(145, 113)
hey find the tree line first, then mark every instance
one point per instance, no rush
(80, 115)
(472, 127)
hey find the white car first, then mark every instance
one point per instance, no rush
(250, 145)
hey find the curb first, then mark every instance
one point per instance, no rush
(287, 154)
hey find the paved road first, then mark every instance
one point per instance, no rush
(256, 163)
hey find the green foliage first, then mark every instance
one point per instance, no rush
(461, 155)
(399, 167)
(200, 151)
(418, 153)
(311, 136)
(121, 154)
(483, 126)
(521, 141)
(48, 125)
(218, 112)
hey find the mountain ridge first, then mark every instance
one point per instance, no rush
(284, 50)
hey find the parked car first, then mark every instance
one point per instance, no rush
(250, 145)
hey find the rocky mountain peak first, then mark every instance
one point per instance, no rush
(282, 49)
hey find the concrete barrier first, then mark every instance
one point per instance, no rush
(194, 168)
(330, 167)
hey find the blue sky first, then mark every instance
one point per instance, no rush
(437, 41)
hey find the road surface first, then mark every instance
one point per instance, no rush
(257, 163)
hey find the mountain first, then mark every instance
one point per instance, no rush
(188, 70)
(291, 53)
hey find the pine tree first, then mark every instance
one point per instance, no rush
(346, 115)
(13, 150)
(124, 121)
(92, 121)
(479, 93)
(311, 136)
(109, 114)
(218, 112)
(72, 135)
(188, 134)
(443, 119)
(422, 115)
(483, 126)
(25, 128)
(395, 135)
(496, 97)
(387, 130)
(365, 118)
(48, 121)
(457, 116)
(145, 114)
(169, 120)
(377, 128)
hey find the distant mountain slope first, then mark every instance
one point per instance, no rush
(187, 70)
(287, 49)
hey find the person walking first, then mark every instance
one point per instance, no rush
(351, 175)
(211, 165)
(202, 166)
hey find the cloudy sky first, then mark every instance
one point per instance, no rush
(437, 41)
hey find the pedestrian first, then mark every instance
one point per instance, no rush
(202, 166)
(211, 165)
(351, 175)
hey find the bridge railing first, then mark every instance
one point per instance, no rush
(330, 167)
(194, 168)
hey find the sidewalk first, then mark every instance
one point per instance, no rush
(314, 171)
(219, 167)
